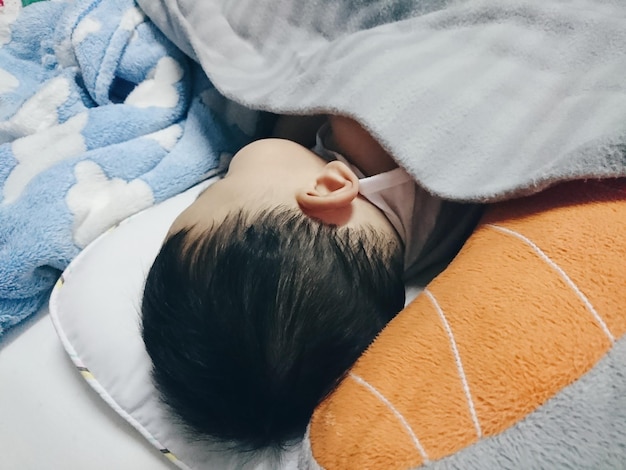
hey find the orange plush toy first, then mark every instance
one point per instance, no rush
(514, 357)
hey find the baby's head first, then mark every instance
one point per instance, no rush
(267, 289)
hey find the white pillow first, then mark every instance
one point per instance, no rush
(95, 308)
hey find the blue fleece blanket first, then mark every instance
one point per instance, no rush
(100, 117)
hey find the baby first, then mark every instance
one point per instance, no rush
(274, 281)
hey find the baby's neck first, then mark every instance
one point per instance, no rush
(358, 146)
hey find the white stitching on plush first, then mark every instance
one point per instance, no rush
(563, 275)
(459, 363)
(396, 413)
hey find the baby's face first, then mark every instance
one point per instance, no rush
(276, 172)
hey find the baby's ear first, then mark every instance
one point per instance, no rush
(336, 186)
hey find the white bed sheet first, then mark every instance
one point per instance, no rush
(49, 416)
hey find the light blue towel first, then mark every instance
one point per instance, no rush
(100, 117)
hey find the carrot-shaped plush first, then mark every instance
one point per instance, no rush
(535, 299)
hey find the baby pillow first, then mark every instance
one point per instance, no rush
(95, 308)
(514, 357)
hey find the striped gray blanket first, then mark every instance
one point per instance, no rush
(479, 100)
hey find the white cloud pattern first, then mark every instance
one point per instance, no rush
(8, 14)
(132, 18)
(38, 152)
(38, 113)
(98, 202)
(86, 27)
(167, 138)
(8, 82)
(158, 89)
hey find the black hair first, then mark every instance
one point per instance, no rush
(250, 324)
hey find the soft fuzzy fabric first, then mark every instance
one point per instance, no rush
(478, 99)
(486, 357)
(100, 117)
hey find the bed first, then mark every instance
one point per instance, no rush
(50, 417)
(111, 109)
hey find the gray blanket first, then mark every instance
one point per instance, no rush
(479, 100)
